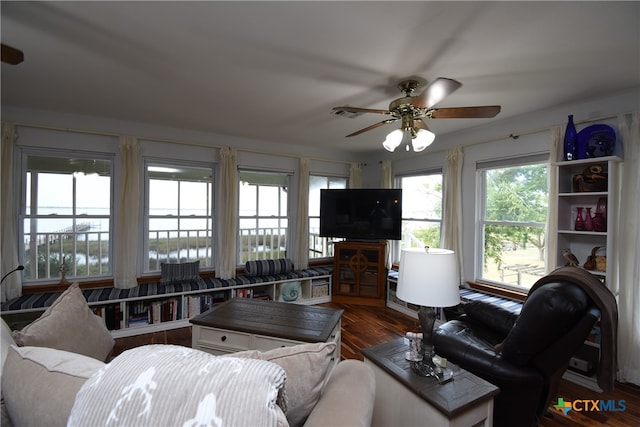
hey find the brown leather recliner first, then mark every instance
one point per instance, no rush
(526, 355)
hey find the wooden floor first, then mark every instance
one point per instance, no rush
(364, 326)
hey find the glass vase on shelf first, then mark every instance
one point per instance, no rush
(599, 223)
(588, 220)
(570, 140)
(579, 224)
(601, 213)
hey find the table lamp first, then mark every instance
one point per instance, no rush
(428, 278)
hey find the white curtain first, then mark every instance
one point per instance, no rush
(629, 242)
(227, 214)
(12, 285)
(355, 176)
(387, 175)
(551, 237)
(387, 182)
(301, 254)
(127, 225)
(452, 205)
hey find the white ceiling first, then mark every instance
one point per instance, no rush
(273, 70)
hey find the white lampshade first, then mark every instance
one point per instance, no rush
(428, 277)
(393, 140)
(423, 139)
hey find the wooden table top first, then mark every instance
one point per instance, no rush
(452, 398)
(296, 322)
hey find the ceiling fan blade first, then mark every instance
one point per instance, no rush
(486, 111)
(374, 126)
(435, 92)
(11, 55)
(347, 109)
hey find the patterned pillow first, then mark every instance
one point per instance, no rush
(180, 272)
(307, 367)
(70, 325)
(168, 385)
(268, 267)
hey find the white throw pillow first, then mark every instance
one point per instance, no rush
(6, 341)
(168, 385)
(307, 367)
(70, 325)
(40, 384)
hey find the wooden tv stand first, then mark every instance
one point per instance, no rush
(359, 273)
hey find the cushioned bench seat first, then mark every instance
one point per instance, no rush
(44, 299)
(468, 295)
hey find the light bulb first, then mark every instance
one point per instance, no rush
(393, 140)
(423, 139)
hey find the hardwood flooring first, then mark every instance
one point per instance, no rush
(364, 326)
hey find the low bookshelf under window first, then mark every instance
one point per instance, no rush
(151, 307)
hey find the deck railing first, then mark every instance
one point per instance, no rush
(86, 253)
(80, 253)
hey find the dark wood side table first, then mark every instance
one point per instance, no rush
(248, 324)
(404, 398)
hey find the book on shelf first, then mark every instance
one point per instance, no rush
(244, 293)
(113, 316)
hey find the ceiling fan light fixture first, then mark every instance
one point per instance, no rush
(393, 140)
(422, 140)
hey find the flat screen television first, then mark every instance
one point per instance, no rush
(361, 214)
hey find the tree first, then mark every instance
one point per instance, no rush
(516, 209)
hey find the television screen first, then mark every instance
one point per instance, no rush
(361, 214)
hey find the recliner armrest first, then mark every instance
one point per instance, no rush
(458, 343)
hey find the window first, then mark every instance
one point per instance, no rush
(263, 216)
(179, 215)
(66, 216)
(421, 210)
(320, 247)
(512, 223)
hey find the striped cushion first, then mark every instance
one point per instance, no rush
(172, 273)
(268, 267)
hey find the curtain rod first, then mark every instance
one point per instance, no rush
(170, 141)
(544, 129)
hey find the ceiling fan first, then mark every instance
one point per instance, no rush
(411, 110)
(11, 55)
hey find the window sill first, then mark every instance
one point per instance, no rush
(496, 290)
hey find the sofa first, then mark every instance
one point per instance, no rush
(55, 372)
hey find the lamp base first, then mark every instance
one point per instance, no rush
(427, 367)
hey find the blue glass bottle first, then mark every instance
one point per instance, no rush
(570, 140)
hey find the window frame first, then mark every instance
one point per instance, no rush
(328, 241)
(481, 221)
(211, 218)
(287, 216)
(399, 245)
(24, 216)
